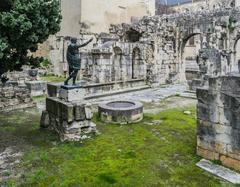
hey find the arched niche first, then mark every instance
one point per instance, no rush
(136, 63)
(117, 64)
(189, 56)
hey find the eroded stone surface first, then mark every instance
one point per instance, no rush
(69, 116)
(220, 171)
(218, 122)
(14, 97)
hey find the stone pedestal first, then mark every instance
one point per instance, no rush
(72, 93)
(218, 123)
(69, 115)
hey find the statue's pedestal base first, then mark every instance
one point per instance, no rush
(72, 93)
(69, 115)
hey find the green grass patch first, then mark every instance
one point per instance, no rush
(39, 98)
(128, 155)
(52, 78)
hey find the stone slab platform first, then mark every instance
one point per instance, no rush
(220, 171)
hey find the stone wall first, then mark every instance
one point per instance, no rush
(14, 97)
(218, 121)
(98, 90)
(159, 45)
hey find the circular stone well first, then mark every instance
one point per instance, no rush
(121, 112)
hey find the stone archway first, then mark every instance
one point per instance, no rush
(189, 57)
(116, 73)
(136, 63)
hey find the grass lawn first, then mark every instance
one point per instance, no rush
(132, 155)
(52, 78)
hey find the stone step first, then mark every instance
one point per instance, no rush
(189, 95)
(93, 96)
(220, 171)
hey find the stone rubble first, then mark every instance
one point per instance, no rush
(14, 97)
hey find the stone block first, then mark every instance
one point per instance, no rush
(220, 171)
(220, 147)
(215, 84)
(72, 95)
(79, 112)
(233, 152)
(204, 96)
(210, 155)
(230, 162)
(208, 112)
(37, 87)
(53, 89)
(66, 111)
(222, 129)
(45, 120)
(205, 129)
(205, 143)
(235, 139)
(230, 84)
(225, 116)
(52, 106)
(229, 117)
(219, 121)
(88, 112)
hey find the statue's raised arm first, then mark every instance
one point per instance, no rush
(74, 59)
(85, 44)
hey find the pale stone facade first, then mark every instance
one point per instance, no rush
(86, 18)
(96, 16)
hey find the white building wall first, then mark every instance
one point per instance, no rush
(97, 15)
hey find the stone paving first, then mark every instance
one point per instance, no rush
(148, 95)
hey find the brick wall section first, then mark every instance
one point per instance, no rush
(218, 121)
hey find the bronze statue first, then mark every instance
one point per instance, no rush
(74, 59)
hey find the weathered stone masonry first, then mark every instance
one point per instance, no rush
(71, 120)
(218, 121)
(14, 97)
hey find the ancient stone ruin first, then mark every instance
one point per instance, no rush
(218, 133)
(147, 53)
(154, 51)
(69, 115)
(14, 97)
